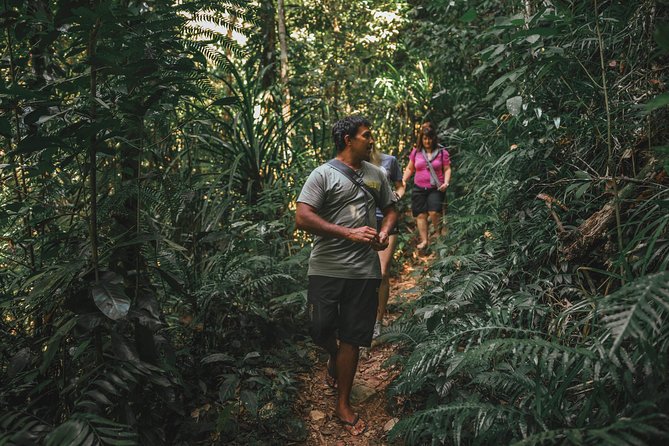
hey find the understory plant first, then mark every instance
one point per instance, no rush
(544, 317)
(146, 299)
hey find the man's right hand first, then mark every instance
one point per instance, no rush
(364, 234)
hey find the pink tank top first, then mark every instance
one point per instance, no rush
(439, 160)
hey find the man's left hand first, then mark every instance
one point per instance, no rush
(380, 242)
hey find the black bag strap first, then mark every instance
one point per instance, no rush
(349, 173)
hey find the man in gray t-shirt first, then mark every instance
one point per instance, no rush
(344, 271)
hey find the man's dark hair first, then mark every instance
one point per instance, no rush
(347, 126)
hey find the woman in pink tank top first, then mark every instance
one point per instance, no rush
(431, 164)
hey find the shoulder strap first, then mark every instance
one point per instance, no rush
(433, 175)
(354, 178)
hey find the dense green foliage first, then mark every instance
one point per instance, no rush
(152, 282)
(145, 230)
(546, 313)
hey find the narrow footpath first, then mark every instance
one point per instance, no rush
(369, 398)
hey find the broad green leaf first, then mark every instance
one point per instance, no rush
(67, 433)
(543, 32)
(469, 16)
(5, 127)
(106, 386)
(511, 76)
(657, 102)
(663, 151)
(109, 296)
(250, 401)
(533, 38)
(18, 362)
(54, 344)
(251, 355)
(228, 387)
(31, 144)
(514, 104)
(228, 100)
(661, 35)
(217, 357)
(140, 239)
(99, 397)
(581, 190)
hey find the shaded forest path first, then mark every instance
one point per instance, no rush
(316, 401)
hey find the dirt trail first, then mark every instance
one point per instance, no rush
(316, 401)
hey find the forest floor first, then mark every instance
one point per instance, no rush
(316, 402)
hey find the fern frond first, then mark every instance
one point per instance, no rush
(456, 262)
(406, 332)
(624, 431)
(440, 350)
(437, 425)
(466, 286)
(87, 428)
(638, 311)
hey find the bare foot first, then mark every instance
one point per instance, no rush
(354, 427)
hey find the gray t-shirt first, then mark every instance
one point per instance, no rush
(337, 200)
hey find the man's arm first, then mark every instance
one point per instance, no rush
(307, 219)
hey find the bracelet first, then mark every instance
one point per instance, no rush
(397, 196)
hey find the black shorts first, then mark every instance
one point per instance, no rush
(343, 307)
(424, 200)
(392, 231)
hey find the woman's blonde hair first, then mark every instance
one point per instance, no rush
(375, 157)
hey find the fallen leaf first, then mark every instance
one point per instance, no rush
(316, 415)
(390, 424)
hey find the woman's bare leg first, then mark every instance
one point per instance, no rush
(386, 257)
(435, 219)
(421, 223)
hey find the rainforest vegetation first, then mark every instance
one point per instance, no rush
(152, 282)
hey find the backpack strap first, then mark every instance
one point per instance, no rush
(355, 179)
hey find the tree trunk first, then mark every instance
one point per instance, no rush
(596, 227)
(39, 53)
(268, 24)
(284, 58)
(528, 9)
